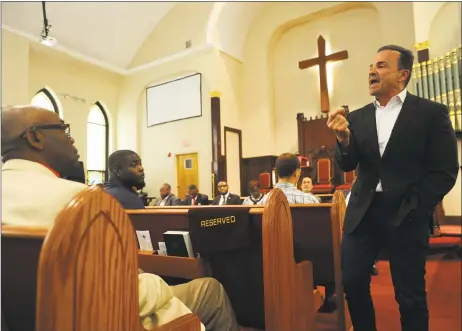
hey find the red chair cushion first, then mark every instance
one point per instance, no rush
(344, 187)
(323, 188)
(265, 180)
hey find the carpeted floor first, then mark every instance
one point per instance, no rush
(444, 297)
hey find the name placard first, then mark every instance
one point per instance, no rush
(218, 229)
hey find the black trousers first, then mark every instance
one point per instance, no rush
(406, 246)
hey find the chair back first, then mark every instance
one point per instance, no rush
(265, 180)
(324, 171)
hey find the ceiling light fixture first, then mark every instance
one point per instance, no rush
(46, 39)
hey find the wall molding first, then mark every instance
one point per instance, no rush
(121, 71)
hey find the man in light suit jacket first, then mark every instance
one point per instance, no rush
(225, 198)
(405, 150)
(37, 152)
(167, 198)
(194, 198)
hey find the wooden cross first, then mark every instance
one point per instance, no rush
(321, 61)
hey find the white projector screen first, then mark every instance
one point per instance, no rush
(175, 100)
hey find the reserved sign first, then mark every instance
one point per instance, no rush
(218, 229)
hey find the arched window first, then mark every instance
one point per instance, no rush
(97, 145)
(45, 99)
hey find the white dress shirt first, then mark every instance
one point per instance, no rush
(223, 199)
(385, 119)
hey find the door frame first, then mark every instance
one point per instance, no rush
(241, 164)
(177, 156)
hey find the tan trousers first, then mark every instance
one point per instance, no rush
(207, 299)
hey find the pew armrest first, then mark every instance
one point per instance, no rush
(173, 266)
(188, 322)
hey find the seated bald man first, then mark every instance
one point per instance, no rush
(38, 151)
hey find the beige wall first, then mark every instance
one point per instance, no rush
(445, 29)
(180, 137)
(298, 91)
(258, 85)
(15, 69)
(29, 67)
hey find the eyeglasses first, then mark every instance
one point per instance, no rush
(65, 127)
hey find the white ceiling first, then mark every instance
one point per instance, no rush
(109, 32)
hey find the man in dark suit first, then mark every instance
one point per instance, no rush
(406, 153)
(224, 197)
(194, 198)
(167, 198)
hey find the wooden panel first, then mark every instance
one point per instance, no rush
(316, 232)
(172, 266)
(88, 270)
(253, 167)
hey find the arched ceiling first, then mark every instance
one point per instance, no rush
(105, 33)
(229, 24)
(109, 34)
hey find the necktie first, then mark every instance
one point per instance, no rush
(193, 201)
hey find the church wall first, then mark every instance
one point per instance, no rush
(169, 37)
(452, 203)
(65, 75)
(258, 80)
(298, 91)
(180, 137)
(28, 67)
(15, 69)
(445, 29)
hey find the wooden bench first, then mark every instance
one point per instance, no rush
(80, 275)
(316, 238)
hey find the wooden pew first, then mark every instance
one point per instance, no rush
(87, 272)
(316, 235)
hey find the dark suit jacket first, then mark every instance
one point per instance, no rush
(232, 199)
(171, 199)
(201, 199)
(419, 164)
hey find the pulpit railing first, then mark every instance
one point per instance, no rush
(439, 80)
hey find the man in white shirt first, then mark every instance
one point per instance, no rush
(225, 197)
(167, 198)
(37, 150)
(307, 186)
(405, 150)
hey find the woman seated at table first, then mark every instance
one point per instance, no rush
(255, 193)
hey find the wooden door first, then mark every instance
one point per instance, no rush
(187, 171)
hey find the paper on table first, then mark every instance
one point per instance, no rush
(144, 239)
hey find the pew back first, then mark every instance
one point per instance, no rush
(88, 268)
(83, 273)
(316, 232)
(20, 255)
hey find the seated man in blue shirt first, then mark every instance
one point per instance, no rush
(125, 174)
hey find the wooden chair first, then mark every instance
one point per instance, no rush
(290, 301)
(324, 176)
(87, 270)
(348, 179)
(265, 182)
